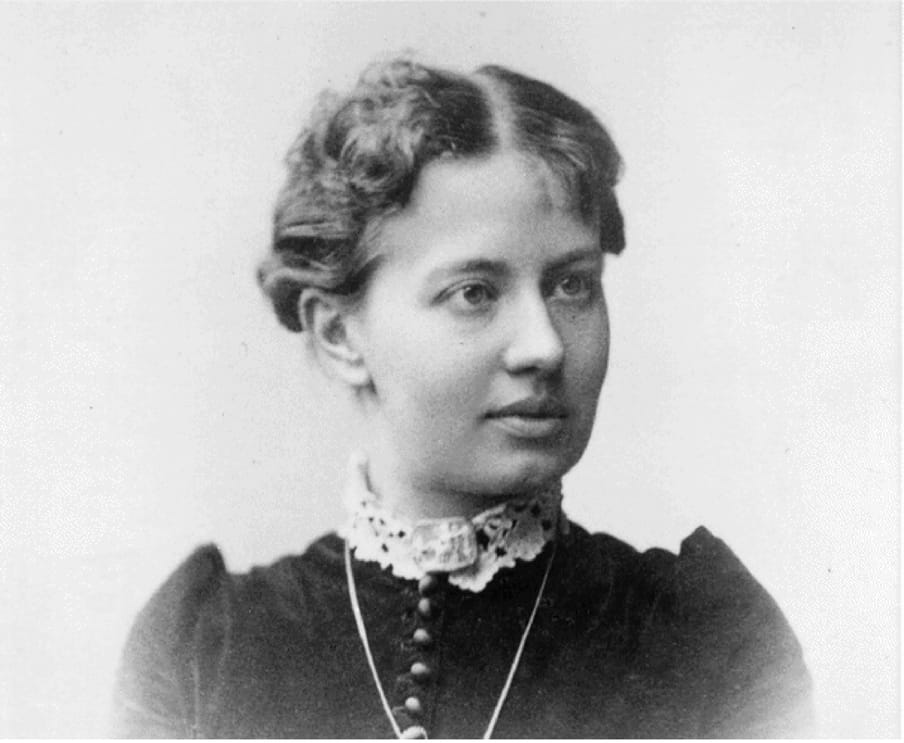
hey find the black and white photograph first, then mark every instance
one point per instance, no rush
(450, 370)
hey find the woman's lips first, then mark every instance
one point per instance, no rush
(527, 427)
(535, 417)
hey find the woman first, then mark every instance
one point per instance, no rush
(440, 242)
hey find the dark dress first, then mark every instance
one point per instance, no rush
(625, 644)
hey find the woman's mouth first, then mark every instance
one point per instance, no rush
(534, 417)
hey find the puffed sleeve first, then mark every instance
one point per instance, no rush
(763, 688)
(157, 683)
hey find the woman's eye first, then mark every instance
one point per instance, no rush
(473, 296)
(575, 286)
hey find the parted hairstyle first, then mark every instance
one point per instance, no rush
(358, 160)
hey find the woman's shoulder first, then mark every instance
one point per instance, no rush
(203, 591)
(192, 620)
(174, 607)
(204, 573)
(160, 646)
(704, 570)
(701, 610)
(702, 590)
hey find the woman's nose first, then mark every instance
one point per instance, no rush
(535, 343)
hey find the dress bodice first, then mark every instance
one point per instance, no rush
(625, 644)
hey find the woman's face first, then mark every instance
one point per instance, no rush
(484, 331)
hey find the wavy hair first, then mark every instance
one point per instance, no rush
(358, 160)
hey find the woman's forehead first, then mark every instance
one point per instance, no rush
(495, 209)
(508, 180)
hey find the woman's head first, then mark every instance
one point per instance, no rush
(441, 239)
(360, 158)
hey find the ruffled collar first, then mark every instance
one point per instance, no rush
(471, 551)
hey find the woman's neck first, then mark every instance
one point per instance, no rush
(471, 550)
(406, 498)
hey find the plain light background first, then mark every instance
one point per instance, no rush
(150, 401)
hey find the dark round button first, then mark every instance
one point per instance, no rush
(420, 670)
(413, 705)
(425, 608)
(415, 731)
(427, 584)
(422, 637)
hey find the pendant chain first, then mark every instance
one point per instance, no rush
(362, 632)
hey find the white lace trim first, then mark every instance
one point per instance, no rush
(516, 530)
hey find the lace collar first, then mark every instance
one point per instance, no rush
(471, 550)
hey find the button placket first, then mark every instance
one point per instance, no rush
(415, 690)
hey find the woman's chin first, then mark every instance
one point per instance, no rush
(529, 475)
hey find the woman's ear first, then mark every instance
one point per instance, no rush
(325, 317)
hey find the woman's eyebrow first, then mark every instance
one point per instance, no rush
(588, 253)
(473, 265)
(502, 268)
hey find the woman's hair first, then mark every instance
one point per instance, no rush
(358, 160)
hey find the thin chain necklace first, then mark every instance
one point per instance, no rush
(362, 632)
